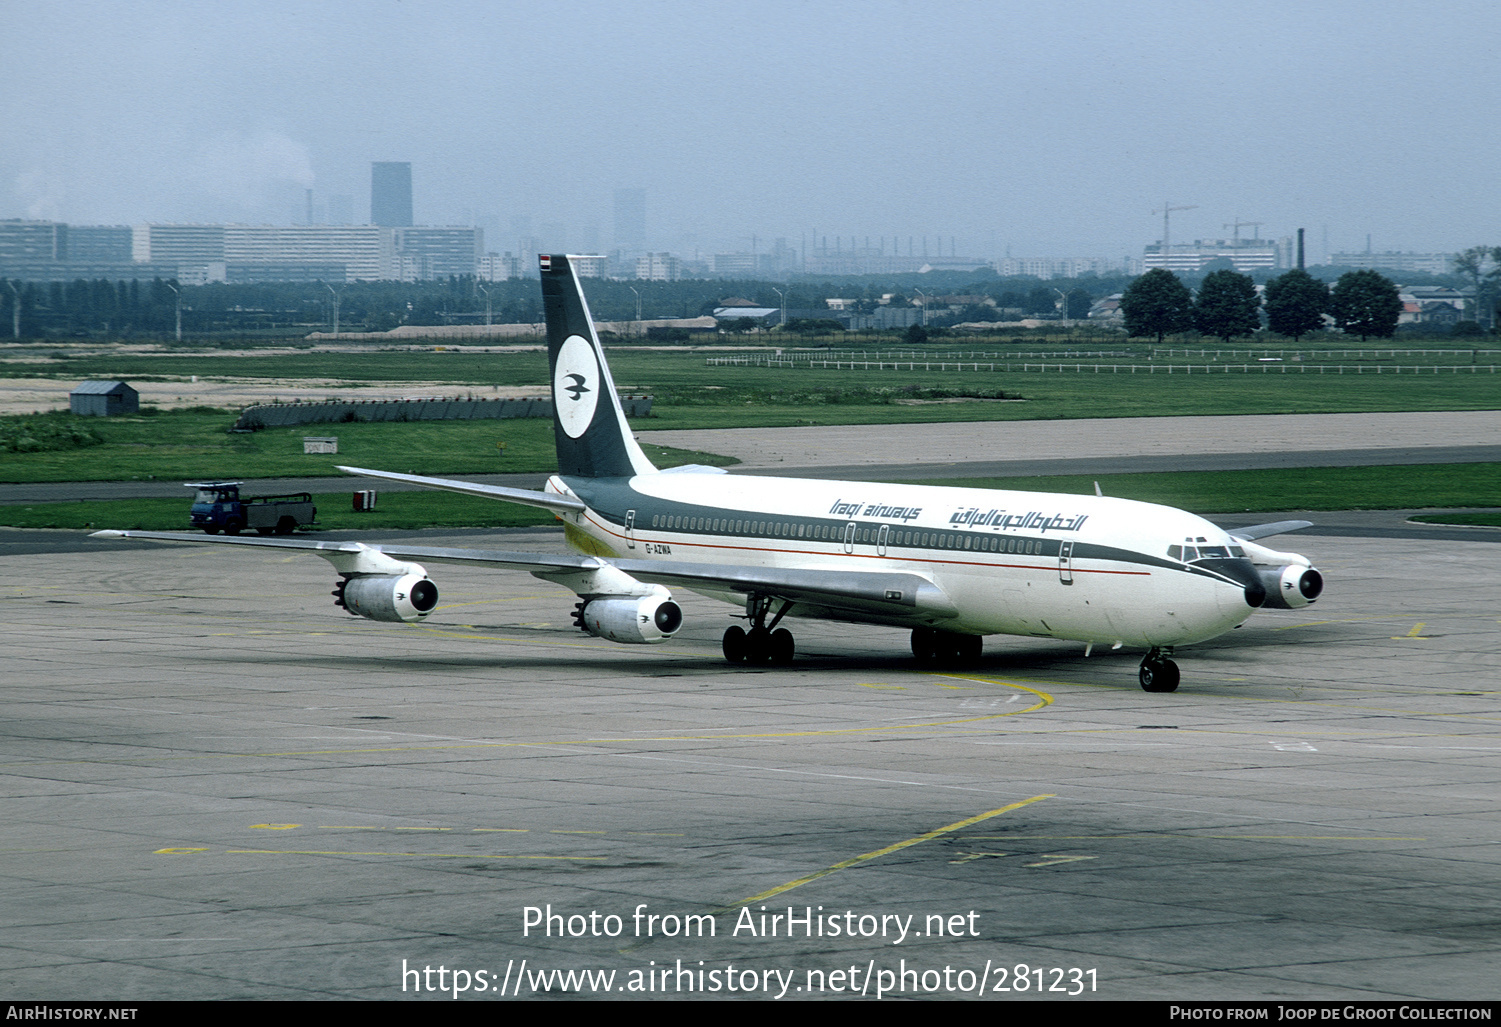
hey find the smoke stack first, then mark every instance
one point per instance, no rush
(1300, 249)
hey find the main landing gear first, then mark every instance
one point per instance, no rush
(1158, 673)
(763, 643)
(947, 648)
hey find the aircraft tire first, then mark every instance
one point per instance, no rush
(1158, 675)
(758, 647)
(970, 648)
(782, 646)
(925, 644)
(734, 644)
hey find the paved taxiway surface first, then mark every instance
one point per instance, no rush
(219, 786)
(1094, 439)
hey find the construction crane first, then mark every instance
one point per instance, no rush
(1238, 224)
(1167, 210)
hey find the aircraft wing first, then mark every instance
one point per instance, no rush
(862, 591)
(1256, 531)
(526, 497)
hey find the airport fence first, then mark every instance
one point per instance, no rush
(278, 415)
(1055, 367)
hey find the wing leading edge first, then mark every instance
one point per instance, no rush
(895, 594)
(525, 497)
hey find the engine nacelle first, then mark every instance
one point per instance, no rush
(1290, 587)
(630, 619)
(400, 598)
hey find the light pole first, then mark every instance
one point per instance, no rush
(783, 297)
(16, 312)
(179, 308)
(924, 306)
(335, 294)
(638, 301)
(482, 289)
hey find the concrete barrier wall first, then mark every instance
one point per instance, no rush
(281, 415)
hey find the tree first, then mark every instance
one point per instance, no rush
(1227, 305)
(1078, 303)
(1366, 303)
(1472, 264)
(1296, 303)
(1157, 304)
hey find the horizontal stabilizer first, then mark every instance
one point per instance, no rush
(694, 469)
(525, 497)
(1256, 531)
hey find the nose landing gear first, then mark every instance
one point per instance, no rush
(1158, 673)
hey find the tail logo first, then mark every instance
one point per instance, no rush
(574, 391)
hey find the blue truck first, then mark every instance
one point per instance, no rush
(218, 506)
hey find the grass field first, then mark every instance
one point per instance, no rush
(1295, 488)
(1486, 519)
(189, 444)
(196, 445)
(1329, 488)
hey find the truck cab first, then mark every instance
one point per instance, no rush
(218, 506)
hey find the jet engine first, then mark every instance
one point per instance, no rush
(1290, 587)
(631, 619)
(402, 598)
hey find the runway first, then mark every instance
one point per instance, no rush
(217, 785)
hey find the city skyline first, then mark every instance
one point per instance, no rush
(1012, 130)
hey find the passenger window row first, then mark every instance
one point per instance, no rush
(899, 538)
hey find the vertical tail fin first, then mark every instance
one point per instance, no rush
(589, 425)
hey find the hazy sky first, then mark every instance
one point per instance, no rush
(1045, 128)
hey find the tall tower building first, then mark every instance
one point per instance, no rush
(630, 220)
(391, 194)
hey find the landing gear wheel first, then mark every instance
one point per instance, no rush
(758, 646)
(734, 644)
(1158, 675)
(925, 645)
(782, 646)
(970, 648)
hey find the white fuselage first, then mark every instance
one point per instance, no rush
(1024, 563)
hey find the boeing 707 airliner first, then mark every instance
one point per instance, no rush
(951, 565)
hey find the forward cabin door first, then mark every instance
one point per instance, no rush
(881, 540)
(1066, 562)
(630, 529)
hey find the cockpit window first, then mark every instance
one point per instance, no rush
(1213, 552)
(1176, 552)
